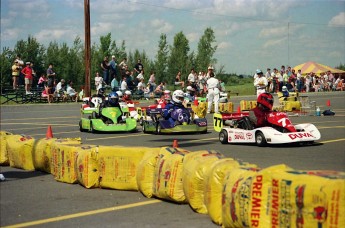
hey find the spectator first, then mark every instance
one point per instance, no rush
(160, 88)
(105, 67)
(141, 87)
(209, 71)
(98, 82)
(191, 77)
(152, 82)
(202, 83)
(51, 76)
(123, 64)
(275, 83)
(178, 80)
(71, 91)
(115, 86)
(139, 67)
(260, 83)
(46, 93)
(286, 77)
(15, 74)
(42, 81)
(124, 86)
(140, 76)
(112, 66)
(21, 66)
(60, 90)
(340, 85)
(308, 83)
(213, 93)
(299, 80)
(27, 71)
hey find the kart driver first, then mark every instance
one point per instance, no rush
(190, 94)
(113, 101)
(258, 115)
(177, 102)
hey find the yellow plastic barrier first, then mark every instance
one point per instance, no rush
(196, 168)
(307, 199)
(87, 167)
(63, 161)
(20, 149)
(200, 110)
(168, 175)
(226, 107)
(3, 149)
(118, 166)
(146, 172)
(214, 186)
(247, 105)
(42, 151)
(247, 196)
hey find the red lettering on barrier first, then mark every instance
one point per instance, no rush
(275, 203)
(256, 202)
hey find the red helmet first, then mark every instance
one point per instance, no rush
(266, 100)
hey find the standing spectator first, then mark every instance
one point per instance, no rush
(280, 79)
(274, 81)
(123, 64)
(139, 67)
(178, 80)
(269, 80)
(98, 82)
(105, 67)
(209, 71)
(21, 66)
(299, 80)
(27, 71)
(201, 83)
(260, 83)
(308, 82)
(285, 77)
(212, 85)
(15, 74)
(152, 81)
(51, 75)
(112, 66)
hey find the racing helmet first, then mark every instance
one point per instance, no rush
(191, 89)
(127, 95)
(113, 98)
(266, 100)
(178, 96)
(167, 95)
(119, 94)
(284, 88)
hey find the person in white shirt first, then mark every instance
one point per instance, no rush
(98, 80)
(124, 86)
(260, 83)
(212, 85)
(191, 77)
(140, 76)
(141, 86)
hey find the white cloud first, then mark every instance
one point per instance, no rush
(224, 46)
(338, 20)
(101, 28)
(47, 35)
(161, 26)
(192, 37)
(275, 42)
(10, 34)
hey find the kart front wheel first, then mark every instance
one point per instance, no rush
(158, 129)
(223, 137)
(81, 127)
(260, 139)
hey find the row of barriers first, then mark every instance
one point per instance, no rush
(233, 193)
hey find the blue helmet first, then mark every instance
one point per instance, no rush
(113, 98)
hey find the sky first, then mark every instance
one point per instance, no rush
(250, 34)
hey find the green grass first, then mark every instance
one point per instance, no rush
(243, 90)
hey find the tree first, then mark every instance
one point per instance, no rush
(161, 62)
(178, 56)
(206, 50)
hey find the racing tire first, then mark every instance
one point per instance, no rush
(260, 139)
(80, 127)
(141, 121)
(223, 136)
(92, 129)
(144, 128)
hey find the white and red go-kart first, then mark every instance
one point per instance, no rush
(233, 128)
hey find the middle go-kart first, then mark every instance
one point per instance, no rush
(237, 128)
(106, 120)
(153, 122)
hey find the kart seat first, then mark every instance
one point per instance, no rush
(245, 123)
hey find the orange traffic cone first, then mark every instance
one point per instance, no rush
(49, 133)
(328, 103)
(175, 143)
(239, 109)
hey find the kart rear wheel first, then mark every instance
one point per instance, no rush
(141, 121)
(223, 136)
(260, 139)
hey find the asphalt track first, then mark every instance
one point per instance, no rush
(36, 199)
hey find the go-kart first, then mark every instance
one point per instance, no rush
(237, 128)
(183, 122)
(106, 120)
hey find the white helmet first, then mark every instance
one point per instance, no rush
(119, 93)
(127, 92)
(189, 88)
(178, 96)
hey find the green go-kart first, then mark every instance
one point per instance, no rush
(106, 120)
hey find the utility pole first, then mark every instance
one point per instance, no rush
(87, 88)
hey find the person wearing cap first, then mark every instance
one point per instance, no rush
(27, 71)
(213, 90)
(260, 82)
(15, 74)
(209, 71)
(285, 92)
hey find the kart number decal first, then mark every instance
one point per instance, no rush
(249, 135)
(282, 121)
(300, 135)
(217, 122)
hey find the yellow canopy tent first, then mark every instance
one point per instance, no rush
(316, 68)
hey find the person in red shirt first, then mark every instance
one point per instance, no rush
(258, 115)
(27, 71)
